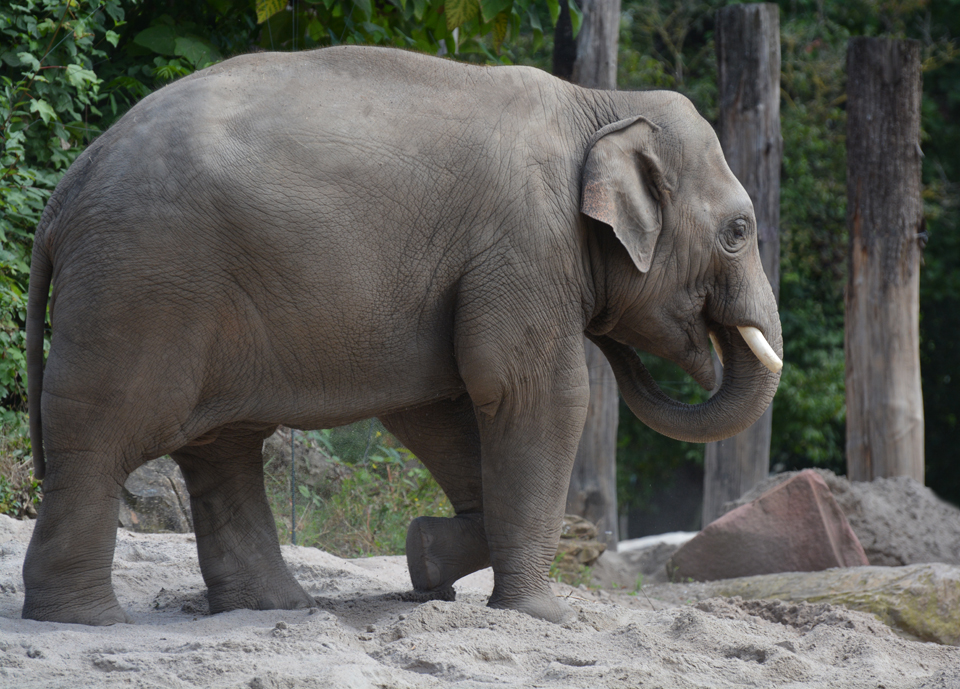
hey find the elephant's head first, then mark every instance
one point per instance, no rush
(690, 272)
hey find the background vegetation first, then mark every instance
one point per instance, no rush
(375, 488)
(670, 45)
(69, 69)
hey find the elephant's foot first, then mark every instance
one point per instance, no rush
(442, 550)
(258, 593)
(66, 571)
(96, 608)
(542, 604)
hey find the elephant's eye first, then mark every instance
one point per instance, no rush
(734, 234)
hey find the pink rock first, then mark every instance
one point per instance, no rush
(794, 527)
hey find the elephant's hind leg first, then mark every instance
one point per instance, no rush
(66, 572)
(236, 536)
(445, 437)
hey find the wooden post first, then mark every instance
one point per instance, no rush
(748, 61)
(884, 217)
(593, 485)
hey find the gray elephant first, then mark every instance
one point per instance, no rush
(317, 238)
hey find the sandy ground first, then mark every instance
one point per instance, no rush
(365, 632)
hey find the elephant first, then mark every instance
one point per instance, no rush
(317, 238)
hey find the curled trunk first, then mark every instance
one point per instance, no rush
(748, 388)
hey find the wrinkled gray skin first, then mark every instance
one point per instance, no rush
(317, 238)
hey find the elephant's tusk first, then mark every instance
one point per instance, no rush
(716, 347)
(760, 347)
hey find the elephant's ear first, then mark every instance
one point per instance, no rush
(623, 185)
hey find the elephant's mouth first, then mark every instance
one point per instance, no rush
(758, 345)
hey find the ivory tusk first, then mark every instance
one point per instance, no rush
(716, 347)
(760, 347)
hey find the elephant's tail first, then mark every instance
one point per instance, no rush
(41, 270)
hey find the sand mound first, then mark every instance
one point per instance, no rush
(366, 632)
(898, 521)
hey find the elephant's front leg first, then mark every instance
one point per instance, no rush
(237, 541)
(529, 435)
(445, 437)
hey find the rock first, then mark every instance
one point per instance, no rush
(920, 601)
(155, 499)
(898, 521)
(631, 569)
(575, 526)
(795, 527)
(315, 467)
(578, 547)
(577, 552)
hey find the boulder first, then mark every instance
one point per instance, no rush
(918, 601)
(578, 547)
(795, 527)
(632, 569)
(898, 521)
(576, 527)
(155, 499)
(315, 466)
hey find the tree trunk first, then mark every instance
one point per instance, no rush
(596, 63)
(748, 61)
(593, 485)
(884, 219)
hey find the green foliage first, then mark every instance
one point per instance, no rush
(581, 575)
(380, 488)
(477, 30)
(666, 44)
(68, 70)
(670, 45)
(48, 105)
(810, 407)
(940, 275)
(19, 491)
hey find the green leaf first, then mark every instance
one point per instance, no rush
(535, 20)
(315, 30)
(199, 52)
(459, 12)
(28, 59)
(268, 8)
(41, 106)
(160, 39)
(536, 26)
(364, 6)
(501, 23)
(419, 7)
(79, 77)
(553, 6)
(112, 38)
(491, 8)
(576, 16)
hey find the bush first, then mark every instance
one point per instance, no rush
(19, 491)
(377, 489)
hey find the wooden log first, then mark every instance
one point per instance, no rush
(748, 61)
(884, 219)
(593, 485)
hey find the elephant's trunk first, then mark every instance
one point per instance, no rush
(746, 391)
